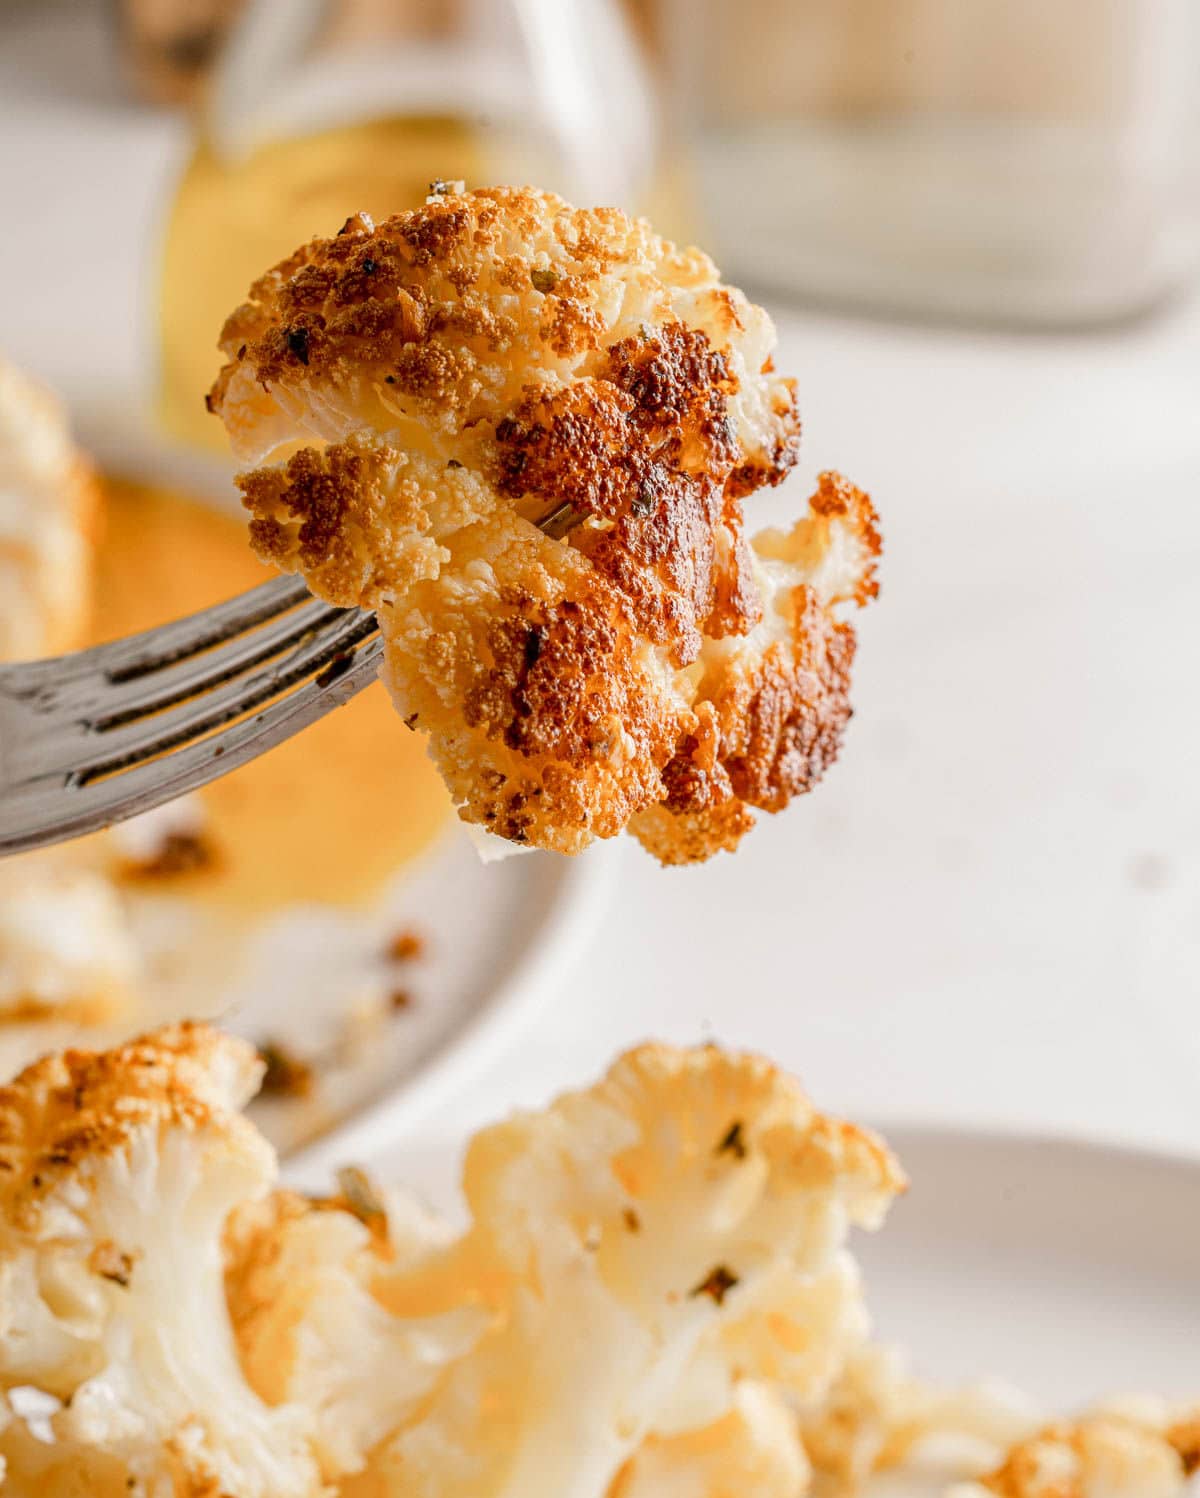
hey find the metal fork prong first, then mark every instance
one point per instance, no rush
(164, 647)
(92, 738)
(147, 737)
(56, 679)
(48, 815)
(155, 691)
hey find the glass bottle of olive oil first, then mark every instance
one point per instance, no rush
(320, 110)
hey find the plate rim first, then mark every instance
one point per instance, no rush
(582, 890)
(583, 887)
(925, 1128)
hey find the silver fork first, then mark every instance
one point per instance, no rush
(93, 738)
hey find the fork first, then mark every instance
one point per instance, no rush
(93, 738)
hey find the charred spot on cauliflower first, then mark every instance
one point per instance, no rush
(490, 358)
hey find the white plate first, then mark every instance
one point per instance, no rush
(1068, 1269)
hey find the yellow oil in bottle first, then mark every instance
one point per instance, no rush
(232, 217)
(327, 816)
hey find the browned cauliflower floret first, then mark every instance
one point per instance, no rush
(497, 357)
(991, 1438)
(1139, 1449)
(117, 1172)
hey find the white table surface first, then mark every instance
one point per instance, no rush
(990, 913)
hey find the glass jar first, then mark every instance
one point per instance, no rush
(1030, 161)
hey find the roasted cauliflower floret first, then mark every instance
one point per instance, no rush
(66, 950)
(751, 1449)
(878, 1416)
(49, 500)
(1135, 1449)
(498, 357)
(987, 1440)
(117, 1172)
(652, 1269)
(615, 1239)
(310, 1330)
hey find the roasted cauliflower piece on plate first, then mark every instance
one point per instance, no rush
(118, 1170)
(650, 1270)
(49, 502)
(1138, 1448)
(66, 950)
(422, 392)
(650, 1296)
(642, 1247)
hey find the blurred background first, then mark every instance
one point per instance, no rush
(977, 224)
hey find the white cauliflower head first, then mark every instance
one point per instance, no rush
(310, 1330)
(615, 1238)
(66, 947)
(117, 1172)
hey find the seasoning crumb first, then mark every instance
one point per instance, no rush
(543, 280)
(631, 1220)
(111, 1263)
(732, 1142)
(716, 1284)
(453, 463)
(179, 852)
(642, 503)
(439, 188)
(405, 945)
(336, 667)
(399, 1000)
(362, 1198)
(286, 1075)
(297, 342)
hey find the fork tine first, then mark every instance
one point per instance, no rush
(157, 649)
(145, 737)
(154, 691)
(161, 647)
(45, 814)
(126, 726)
